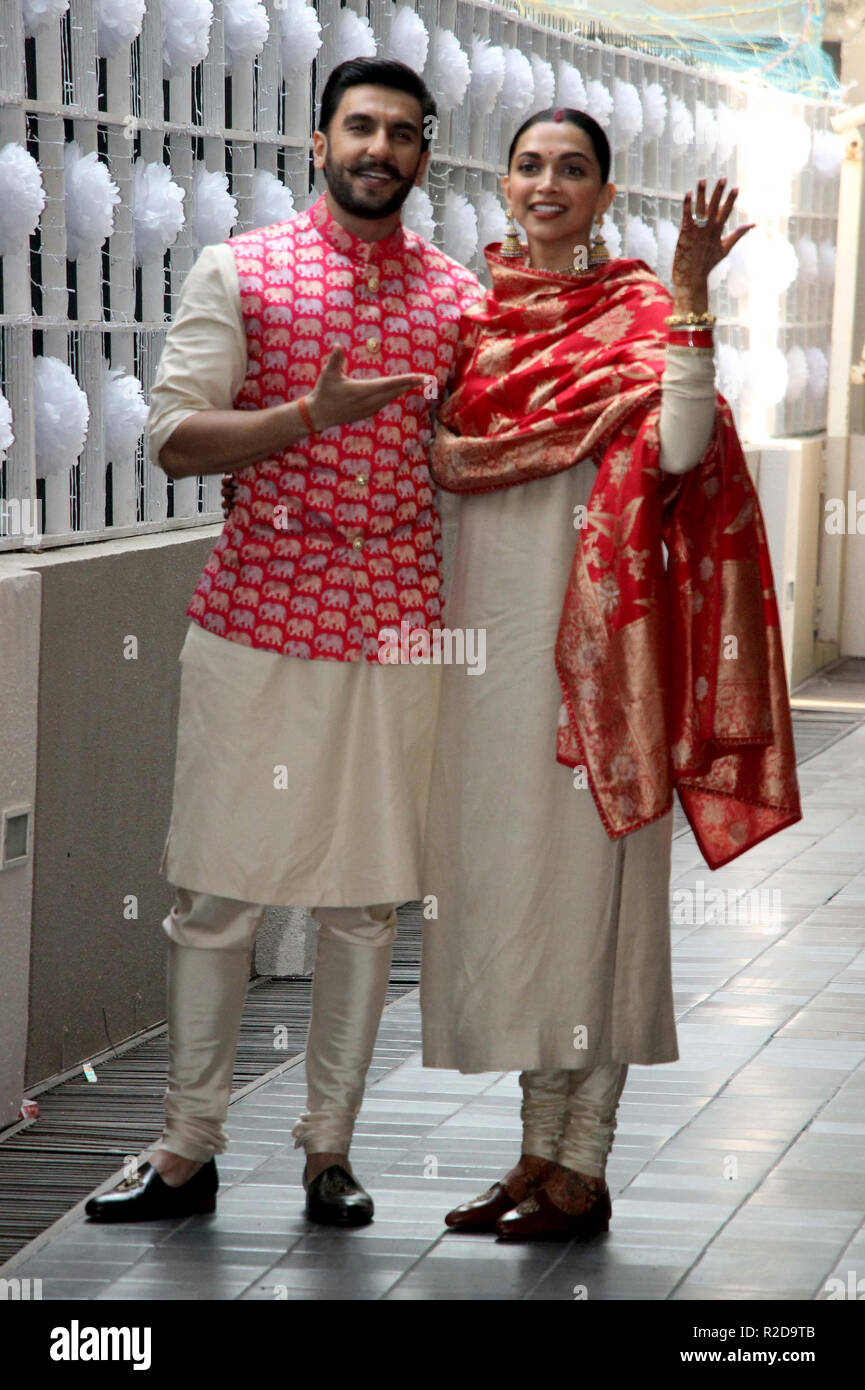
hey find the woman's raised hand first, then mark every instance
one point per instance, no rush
(336, 398)
(701, 247)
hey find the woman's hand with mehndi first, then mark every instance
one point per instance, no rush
(701, 246)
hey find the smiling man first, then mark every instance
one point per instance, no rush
(301, 360)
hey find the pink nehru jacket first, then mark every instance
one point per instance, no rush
(338, 536)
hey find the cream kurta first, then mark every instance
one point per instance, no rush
(355, 738)
(551, 947)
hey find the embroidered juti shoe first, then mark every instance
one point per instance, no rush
(481, 1213)
(335, 1198)
(145, 1197)
(538, 1218)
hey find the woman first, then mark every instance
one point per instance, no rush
(550, 822)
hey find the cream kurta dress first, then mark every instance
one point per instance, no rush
(551, 944)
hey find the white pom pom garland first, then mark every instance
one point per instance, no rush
(545, 83)
(729, 372)
(519, 90)
(681, 125)
(185, 33)
(7, 438)
(806, 254)
(488, 75)
(826, 252)
(246, 27)
(827, 152)
(459, 228)
(492, 222)
(765, 375)
(706, 131)
(213, 212)
(654, 110)
(91, 197)
(668, 240)
(272, 201)
(797, 373)
(763, 258)
(38, 14)
(629, 113)
(352, 37)
(124, 413)
(157, 210)
(641, 242)
(60, 416)
(417, 213)
(570, 88)
(818, 372)
(599, 102)
(409, 38)
(118, 24)
(22, 197)
(611, 235)
(451, 74)
(299, 36)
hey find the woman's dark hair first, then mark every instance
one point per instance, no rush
(585, 122)
(377, 72)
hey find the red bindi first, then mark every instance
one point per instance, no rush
(558, 115)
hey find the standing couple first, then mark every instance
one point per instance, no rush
(579, 420)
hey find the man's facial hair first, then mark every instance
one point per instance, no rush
(341, 189)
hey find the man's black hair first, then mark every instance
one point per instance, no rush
(377, 72)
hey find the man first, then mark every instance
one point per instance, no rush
(302, 762)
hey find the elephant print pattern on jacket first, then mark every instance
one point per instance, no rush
(339, 535)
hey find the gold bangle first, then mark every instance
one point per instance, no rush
(691, 320)
(305, 415)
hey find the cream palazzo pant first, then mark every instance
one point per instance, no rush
(210, 952)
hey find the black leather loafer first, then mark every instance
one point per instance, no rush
(147, 1198)
(335, 1198)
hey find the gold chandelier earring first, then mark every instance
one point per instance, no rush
(512, 247)
(600, 252)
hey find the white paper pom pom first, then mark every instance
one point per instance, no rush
(118, 24)
(22, 197)
(545, 83)
(60, 416)
(417, 214)
(728, 131)
(488, 74)
(729, 372)
(827, 261)
(492, 222)
(91, 197)
(300, 36)
(246, 27)
(599, 102)
(7, 438)
(518, 92)
(570, 88)
(797, 373)
(612, 236)
(409, 39)
(352, 37)
(681, 124)
(706, 131)
(763, 258)
(827, 153)
(157, 210)
(272, 201)
(796, 142)
(806, 254)
(765, 376)
(185, 33)
(654, 110)
(460, 228)
(38, 14)
(124, 413)
(641, 241)
(668, 240)
(818, 372)
(213, 212)
(450, 75)
(629, 113)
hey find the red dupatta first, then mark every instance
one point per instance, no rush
(670, 677)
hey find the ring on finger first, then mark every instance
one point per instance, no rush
(700, 221)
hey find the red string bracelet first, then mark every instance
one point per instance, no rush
(305, 416)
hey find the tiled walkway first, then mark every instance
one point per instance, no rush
(738, 1172)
